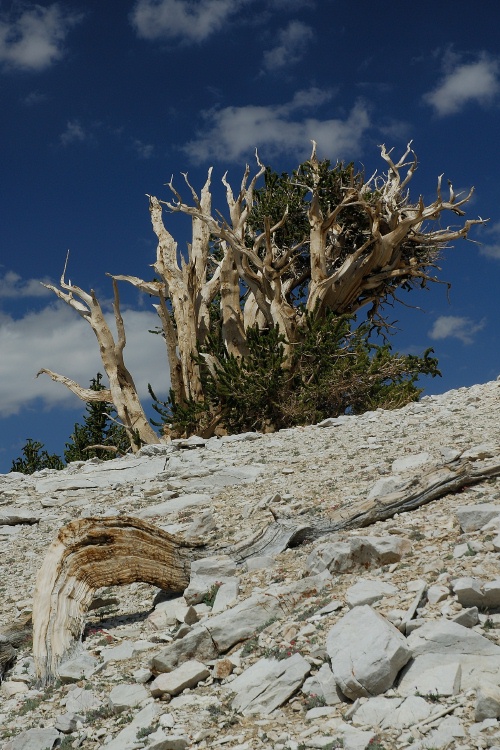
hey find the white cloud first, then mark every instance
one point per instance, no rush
(291, 45)
(491, 249)
(12, 286)
(464, 83)
(455, 326)
(182, 19)
(143, 150)
(74, 133)
(58, 339)
(234, 132)
(34, 38)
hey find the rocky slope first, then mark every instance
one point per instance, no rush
(381, 637)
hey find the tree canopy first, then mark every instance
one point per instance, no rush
(267, 314)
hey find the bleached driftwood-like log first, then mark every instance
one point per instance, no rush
(438, 482)
(90, 553)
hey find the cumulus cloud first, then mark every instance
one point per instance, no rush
(234, 132)
(455, 326)
(74, 133)
(13, 286)
(291, 46)
(143, 150)
(491, 248)
(34, 38)
(58, 339)
(477, 82)
(182, 19)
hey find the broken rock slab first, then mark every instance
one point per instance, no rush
(442, 642)
(359, 551)
(126, 696)
(366, 653)
(366, 591)
(268, 684)
(487, 702)
(188, 675)
(474, 517)
(437, 679)
(35, 739)
(12, 516)
(323, 685)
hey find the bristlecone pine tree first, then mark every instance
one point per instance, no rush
(258, 313)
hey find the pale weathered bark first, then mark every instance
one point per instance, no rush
(86, 555)
(122, 391)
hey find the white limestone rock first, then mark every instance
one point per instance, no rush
(487, 702)
(127, 696)
(366, 652)
(373, 711)
(35, 739)
(268, 684)
(437, 679)
(188, 675)
(474, 517)
(323, 685)
(366, 591)
(444, 636)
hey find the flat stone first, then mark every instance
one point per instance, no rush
(366, 652)
(268, 684)
(10, 688)
(68, 722)
(226, 596)
(437, 679)
(79, 700)
(35, 739)
(323, 684)
(82, 666)
(197, 644)
(12, 516)
(410, 712)
(359, 551)
(474, 517)
(160, 741)
(437, 593)
(124, 650)
(445, 636)
(467, 617)
(188, 675)
(127, 696)
(373, 711)
(366, 591)
(487, 702)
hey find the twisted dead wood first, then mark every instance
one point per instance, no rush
(86, 555)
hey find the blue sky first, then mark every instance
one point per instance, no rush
(102, 102)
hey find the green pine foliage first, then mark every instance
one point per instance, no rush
(34, 458)
(335, 369)
(98, 428)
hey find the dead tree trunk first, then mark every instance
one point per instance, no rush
(88, 554)
(122, 391)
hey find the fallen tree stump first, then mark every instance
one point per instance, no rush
(86, 555)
